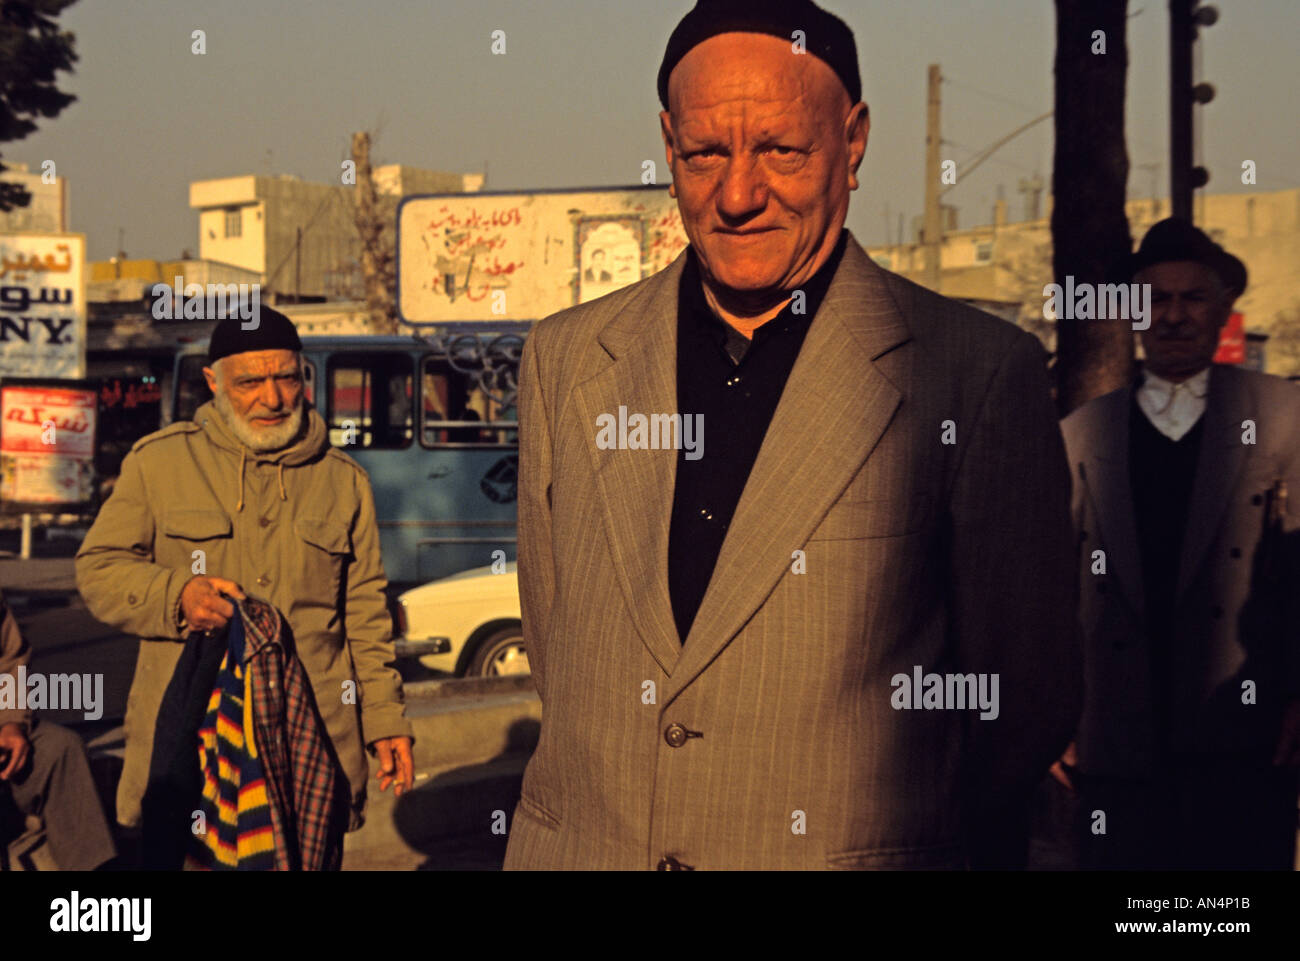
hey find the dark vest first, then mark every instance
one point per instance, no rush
(1161, 473)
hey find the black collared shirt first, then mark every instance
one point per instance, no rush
(736, 384)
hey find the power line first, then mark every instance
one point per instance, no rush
(974, 151)
(992, 96)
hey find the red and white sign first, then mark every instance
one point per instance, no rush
(47, 444)
(1232, 341)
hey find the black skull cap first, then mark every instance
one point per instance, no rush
(826, 36)
(273, 331)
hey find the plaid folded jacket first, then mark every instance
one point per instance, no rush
(270, 782)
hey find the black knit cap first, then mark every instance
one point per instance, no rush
(274, 331)
(1176, 239)
(826, 35)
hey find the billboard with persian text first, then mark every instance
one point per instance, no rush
(524, 255)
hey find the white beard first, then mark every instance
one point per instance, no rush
(263, 440)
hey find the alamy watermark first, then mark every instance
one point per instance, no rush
(1098, 302)
(22, 691)
(651, 432)
(75, 914)
(945, 692)
(182, 301)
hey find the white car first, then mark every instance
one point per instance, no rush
(467, 624)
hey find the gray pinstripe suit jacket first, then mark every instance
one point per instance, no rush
(954, 557)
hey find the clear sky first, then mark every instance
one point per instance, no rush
(572, 103)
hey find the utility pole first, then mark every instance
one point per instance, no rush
(1184, 17)
(932, 231)
(297, 269)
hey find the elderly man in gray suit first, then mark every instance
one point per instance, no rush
(836, 629)
(1187, 750)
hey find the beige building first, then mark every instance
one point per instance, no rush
(48, 210)
(1003, 267)
(300, 237)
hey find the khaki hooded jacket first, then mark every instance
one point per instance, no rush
(295, 527)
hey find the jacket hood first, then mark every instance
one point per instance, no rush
(310, 445)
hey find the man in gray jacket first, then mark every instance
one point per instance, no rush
(763, 652)
(1187, 750)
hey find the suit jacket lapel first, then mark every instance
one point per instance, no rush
(635, 487)
(835, 406)
(1109, 486)
(1220, 460)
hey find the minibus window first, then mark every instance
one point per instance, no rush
(456, 410)
(368, 399)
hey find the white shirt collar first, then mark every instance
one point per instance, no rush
(1173, 409)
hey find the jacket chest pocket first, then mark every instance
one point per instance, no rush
(195, 535)
(326, 546)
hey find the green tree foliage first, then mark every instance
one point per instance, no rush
(32, 50)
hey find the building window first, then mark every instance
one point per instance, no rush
(984, 252)
(234, 223)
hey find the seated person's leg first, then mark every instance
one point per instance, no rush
(55, 784)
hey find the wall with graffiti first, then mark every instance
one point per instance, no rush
(522, 256)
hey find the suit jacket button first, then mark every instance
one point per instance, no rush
(130, 598)
(670, 863)
(675, 735)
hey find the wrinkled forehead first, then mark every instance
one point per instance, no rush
(261, 363)
(754, 73)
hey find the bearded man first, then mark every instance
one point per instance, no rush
(251, 496)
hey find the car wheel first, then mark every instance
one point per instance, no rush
(500, 653)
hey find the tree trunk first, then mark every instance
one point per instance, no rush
(378, 258)
(1090, 229)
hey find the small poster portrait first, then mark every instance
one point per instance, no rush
(609, 257)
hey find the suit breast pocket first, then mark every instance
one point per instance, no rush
(887, 517)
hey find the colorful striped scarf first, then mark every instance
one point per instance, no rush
(273, 796)
(238, 833)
